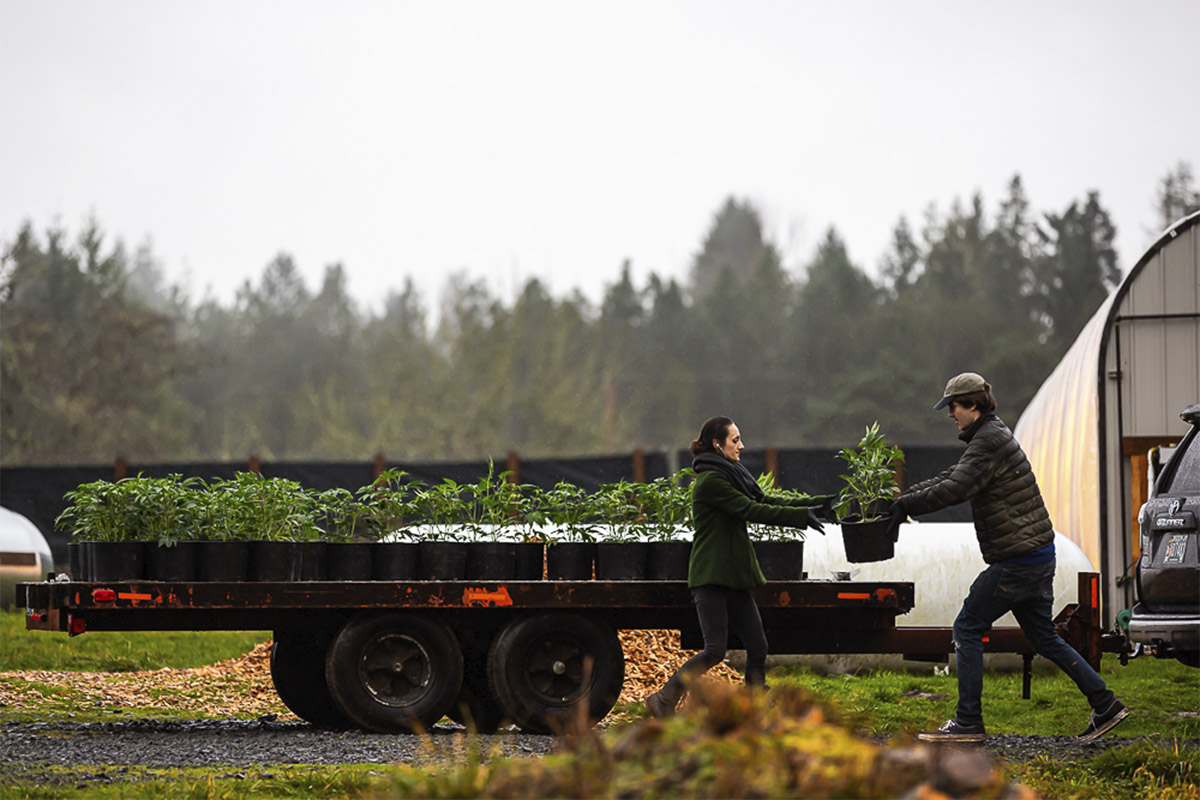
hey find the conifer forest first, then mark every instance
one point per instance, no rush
(101, 358)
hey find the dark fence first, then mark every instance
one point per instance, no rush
(38, 492)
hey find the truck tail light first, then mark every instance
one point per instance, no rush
(104, 595)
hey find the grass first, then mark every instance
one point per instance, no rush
(109, 651)
(1164, 694)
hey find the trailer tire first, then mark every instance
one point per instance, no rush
(394, 672)
(551, 672)
(298, 672)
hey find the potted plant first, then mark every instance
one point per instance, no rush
(170, 512)
(570, 533)
(494, 506)
(388, 510)
(780, 551)
(100, 519)
(622, 554)
(348, 554)
(863, 504)
(666, 504)
(443, 552)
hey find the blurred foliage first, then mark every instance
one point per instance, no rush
(99, 358)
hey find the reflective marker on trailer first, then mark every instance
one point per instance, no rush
(103, 595)
(75, 626)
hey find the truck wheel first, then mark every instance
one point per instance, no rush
(476, 707)
(394, 672)
(549, 670)
(298, 672)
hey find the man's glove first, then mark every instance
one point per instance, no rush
(815, 522)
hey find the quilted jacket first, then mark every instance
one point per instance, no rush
(994, 475)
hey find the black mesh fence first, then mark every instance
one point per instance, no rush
(38, 492)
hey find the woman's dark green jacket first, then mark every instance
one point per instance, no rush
(722, 553)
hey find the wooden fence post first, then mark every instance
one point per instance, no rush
(254, 465)
(773, 465)
(514, 466)
(639, 466)
(119, 469)
(379, 466)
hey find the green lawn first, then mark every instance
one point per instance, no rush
(1164, 694)
(108, 651)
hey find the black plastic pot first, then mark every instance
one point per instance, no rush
(179, 562)
(570, 561)
(349, 561)
(275, 561)
(313, 566)
(492, 561)
(621, 561)
(869, 541)
(668, 561)
(443, 561)
(781, 561)
(396, 561)
(118, 561)
(75, 562)
(224, 562)
(531, 561)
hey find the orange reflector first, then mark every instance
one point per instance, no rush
(134, 596)
(853, 596)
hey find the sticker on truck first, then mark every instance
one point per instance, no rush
(1176, 549)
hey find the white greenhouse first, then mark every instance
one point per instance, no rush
(1094, 429)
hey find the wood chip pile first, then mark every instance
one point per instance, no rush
(242, 686)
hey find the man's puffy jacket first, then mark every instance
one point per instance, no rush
(994, 474)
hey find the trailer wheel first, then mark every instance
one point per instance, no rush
(394, 672)
(550, 670)
(298, 672)
(476, 707)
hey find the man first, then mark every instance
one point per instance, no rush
(1016, 538)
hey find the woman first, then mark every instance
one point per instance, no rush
(723, 568)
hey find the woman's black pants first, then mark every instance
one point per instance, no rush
(721, 610)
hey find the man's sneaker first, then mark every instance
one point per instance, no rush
(659, 706)
(953, 731)
(1104, 721)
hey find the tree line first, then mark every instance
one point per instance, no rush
(100, 357)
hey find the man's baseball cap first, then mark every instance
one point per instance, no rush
(965, 383)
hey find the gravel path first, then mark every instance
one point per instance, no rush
(179, 743)
(267, 741)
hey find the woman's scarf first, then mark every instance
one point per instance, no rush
(738, 475)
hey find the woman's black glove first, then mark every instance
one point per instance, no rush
(815, 522)
(823, 505)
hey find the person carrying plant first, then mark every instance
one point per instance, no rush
(1016, 538)
(722, 568)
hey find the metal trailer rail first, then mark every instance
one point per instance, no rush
(397, 656)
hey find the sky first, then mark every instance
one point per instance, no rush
(556, 140)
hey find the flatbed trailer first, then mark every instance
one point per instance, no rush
(388, 656)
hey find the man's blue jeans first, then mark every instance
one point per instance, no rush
(1028, 592)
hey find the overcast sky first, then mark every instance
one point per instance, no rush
(557, 139)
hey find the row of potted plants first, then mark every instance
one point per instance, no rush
(399, 528)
